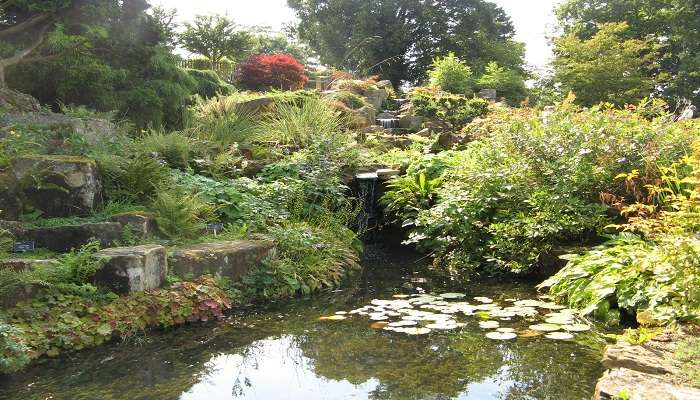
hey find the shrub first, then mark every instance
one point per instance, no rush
(223, 122)
(300, 125)
(452, 75)
(508, 83)
(529, 185)
(133, 180)
(454, 109)
(209, 84)
(650, 270)
(276, 71)
(14, 354)
(349, 99)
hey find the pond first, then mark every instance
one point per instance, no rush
(286, 352)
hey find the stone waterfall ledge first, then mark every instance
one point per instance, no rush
(132, 269)
(231, 259)
(643, 372)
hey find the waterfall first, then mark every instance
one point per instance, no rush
(368, 218)
(388, 123)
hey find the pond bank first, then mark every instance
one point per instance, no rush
(645, 371)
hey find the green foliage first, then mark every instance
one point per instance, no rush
(606, 68)
(454, 109)
(529, 185)
(399, 39)
(174, 148)
(216, 37)
(654, 276)
(301, 125)
(309, 259)
(669, 23)
(222, 121)
(452, 75)
(133, 180)
(349, 99)
(53, 323)
(509, 84)
(209, 84)
(182, 215)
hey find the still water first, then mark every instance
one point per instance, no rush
(286, 353)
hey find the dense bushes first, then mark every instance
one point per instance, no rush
(452, 75)
(652, 269)
(209, 84)
(454, 109)
(276, 71)
(528, 185)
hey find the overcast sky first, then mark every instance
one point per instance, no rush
(533, 19)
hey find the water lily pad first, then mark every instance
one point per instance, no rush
(527, 303)
(453, 295)
(484, 300)
(559, 336)
(416, 331)
(400, 296)
(403, 323)
(545, 327)
(443, 325)
(333, 318)
(559, 320)
(488, 324)
(576, 327)
(341, 312)
(551, 306)
(378, 317)
(501, 335)
(529, 333)
(505, 330)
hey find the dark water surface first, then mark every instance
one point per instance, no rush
(287, 353)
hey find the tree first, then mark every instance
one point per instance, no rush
(104, 54)
(400, 38)
(266, 42)
(216, 37)
(508, 83)
(452, 75)
(671, 24)
(606, 67)
(275, 71)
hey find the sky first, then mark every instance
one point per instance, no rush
(533, 19)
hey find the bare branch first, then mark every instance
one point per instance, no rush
(24, 26)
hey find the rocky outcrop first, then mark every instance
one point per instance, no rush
(63, 238)
(93, 130)
(59, 186)
(143, 224)
(15, 102)
(410, 122)
(132, 269)
(230, 259)
(642, 372)
(362, 117)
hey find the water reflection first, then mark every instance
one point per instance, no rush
(287, 353)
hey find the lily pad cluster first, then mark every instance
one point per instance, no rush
(420, 314)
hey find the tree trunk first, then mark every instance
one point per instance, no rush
(17, 58)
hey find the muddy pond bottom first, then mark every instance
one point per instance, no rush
(288, 352)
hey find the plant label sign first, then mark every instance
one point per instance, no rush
(216, 228)
(23, 246)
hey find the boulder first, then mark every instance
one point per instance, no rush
(23, 264)
(231, 259)
(488, 94)
(410, 122)
(143, 224)
(362, 118)
(59, 186)
(640, 358)
(376, 97)
(640, 386)
(386, 115)
(16, 102)
(21, 292)
(385, 84)
(63, 238)
(93, 130)
(253, 106)
(132, 269)
(447, 140)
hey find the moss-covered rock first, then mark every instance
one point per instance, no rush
(222, 259)
(58, 186)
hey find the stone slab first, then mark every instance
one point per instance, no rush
(132, 269)
(641, 386)
(67, 237)
(229, 259)
(144, 225)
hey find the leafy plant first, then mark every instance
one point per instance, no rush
(452, 75)
(275, 71)
(182, 215)
(452, 108)
(174, 148)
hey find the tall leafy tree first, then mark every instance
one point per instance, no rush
(216, 37)
(105, 54)
(671, 24)
(400, 38)
(605, 68)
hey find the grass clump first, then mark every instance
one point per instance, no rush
(301, 125)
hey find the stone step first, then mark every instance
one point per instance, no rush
(143, 224)
(230, 259)
(132, 269)
(64, 238)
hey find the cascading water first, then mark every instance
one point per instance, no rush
(388, 123)
(368, 218)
